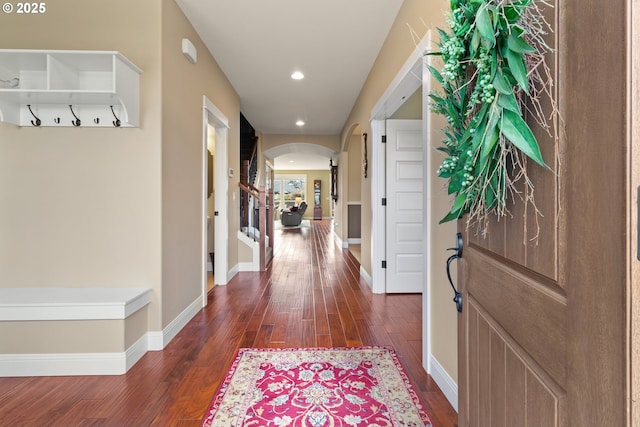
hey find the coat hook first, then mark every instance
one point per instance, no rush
(57, 120)
(96, 120)
(38, 122)
(77, 121)
(116, 122)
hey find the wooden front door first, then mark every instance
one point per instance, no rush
(542, 336)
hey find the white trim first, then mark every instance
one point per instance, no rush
(233, 271)
(247, 266)
(339, 241)
(378, 213)
(155, 340)
(159, 340)
(405, 83)
(448, 386)
(136, 351)
(354, 241)
(34, 304)
(221, 119)
(427, 209)
(365, 276)
(117, 363)
(254, 264)
(52, 364)
(213, 116)
(354, 203)
(412, 75)
(65, 364)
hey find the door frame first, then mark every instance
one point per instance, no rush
(394, 277)
(211, 115)
(413, 75)
(410, 77)
(406, 82)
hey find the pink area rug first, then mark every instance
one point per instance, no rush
(318, 387)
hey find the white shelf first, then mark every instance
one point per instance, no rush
(93, 83)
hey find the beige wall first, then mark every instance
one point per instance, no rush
(81, 207)
(63, 336)
(183, 86)
(354, 176)
(107, 207)
(417, 16)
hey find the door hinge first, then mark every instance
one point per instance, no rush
(384, 264)
(384, 201)
(384, 139)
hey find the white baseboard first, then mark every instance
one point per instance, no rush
(136, 351)
(448, 386)
(71, 364)
(158, 340)
(65, 364)
(354, 241)
(366, 277)
(248, 266)
(232, 272)
(339, 240)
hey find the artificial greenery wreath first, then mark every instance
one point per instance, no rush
(494, 72)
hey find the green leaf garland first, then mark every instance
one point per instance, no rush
(486, 76)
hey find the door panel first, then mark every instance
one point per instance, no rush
(519, 391)
(529, 312)
(404, 206)
(542, 333)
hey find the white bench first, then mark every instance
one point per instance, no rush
(78, 318)
(20, 304)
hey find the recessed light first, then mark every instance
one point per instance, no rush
(300, 123)
(297, 75)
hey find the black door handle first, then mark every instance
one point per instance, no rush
(457, 298)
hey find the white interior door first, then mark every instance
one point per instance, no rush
(405, 191)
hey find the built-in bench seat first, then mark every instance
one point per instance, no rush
(72, 331)
(19, 304)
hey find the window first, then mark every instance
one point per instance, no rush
(289, 190)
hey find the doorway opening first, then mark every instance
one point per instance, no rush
(215, 196)
(414, 76)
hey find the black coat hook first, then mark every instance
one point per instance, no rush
(116, 122)
(57, 120)
(77, 121)
(96, 120)
(457, 298)
(38, 122)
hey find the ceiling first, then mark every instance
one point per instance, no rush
(259, 44)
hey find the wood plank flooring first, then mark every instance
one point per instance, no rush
(311, 295)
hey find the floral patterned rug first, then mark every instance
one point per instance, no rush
(319, 387)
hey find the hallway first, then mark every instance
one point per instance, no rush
(310, 295)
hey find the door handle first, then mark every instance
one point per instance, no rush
(457, 298)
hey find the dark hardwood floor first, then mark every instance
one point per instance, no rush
(311, 295)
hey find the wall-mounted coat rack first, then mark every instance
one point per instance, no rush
(68, 88)
(76, 116)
